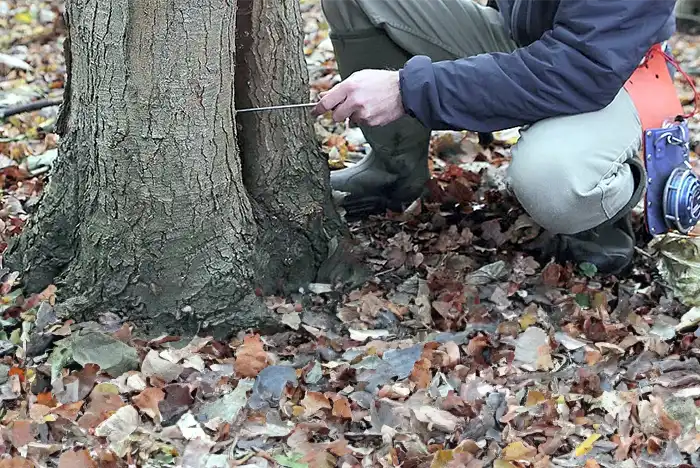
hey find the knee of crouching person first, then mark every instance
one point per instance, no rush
(547, 191)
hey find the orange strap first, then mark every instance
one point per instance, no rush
(652, 90)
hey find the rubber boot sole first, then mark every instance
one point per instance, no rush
(358, 208)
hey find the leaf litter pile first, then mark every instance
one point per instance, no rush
(456, 348)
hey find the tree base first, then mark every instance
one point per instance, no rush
(166, 209)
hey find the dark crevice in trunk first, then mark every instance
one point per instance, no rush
(61, 122)
(242, 79)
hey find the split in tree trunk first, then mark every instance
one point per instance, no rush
(165, 208)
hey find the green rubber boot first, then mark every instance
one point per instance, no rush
(395, 171)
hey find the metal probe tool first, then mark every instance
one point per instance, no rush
(288, 106)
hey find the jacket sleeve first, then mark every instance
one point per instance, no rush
(578, 66)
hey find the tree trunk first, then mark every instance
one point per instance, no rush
(165, 207)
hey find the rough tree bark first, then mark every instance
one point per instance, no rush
(165, 207)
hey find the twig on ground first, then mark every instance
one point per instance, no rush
(32, 106)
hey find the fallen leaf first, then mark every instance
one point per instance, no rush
(552, 274)
(534, 397)
(76, 459)
(532, 350)
(569, 343)
(21, 433)
(587, 445)
(190, 428)
(148, 400)
(38, 412)
(18, 372)
(437, 418)
(341, 407)
(689, 320)
(103, 402)
(113, 356)
(314, 402)
(421, 375)
(364, 335)
(16, 462)
(230, 405)
(518, 451)
(69, 411)
(46, 399)
(453, 354)
(118, 427)
(503, 464)
(14, 62)
(155, 366)
(251, 357)
(527, 320)
(292, 320)
(178, 398)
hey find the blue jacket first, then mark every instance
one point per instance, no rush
(574, 56)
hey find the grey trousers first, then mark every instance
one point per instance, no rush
(570, 173)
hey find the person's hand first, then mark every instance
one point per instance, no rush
(369, 97)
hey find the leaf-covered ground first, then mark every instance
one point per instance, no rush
(458, 349)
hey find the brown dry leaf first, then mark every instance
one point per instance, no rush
(341, 407)
(178, 397)
(534, 397)
(46, 399)
(590, 463)
(456, 458)
(21, 433)
(452, 351)
(421, 375)
(314, 402)
(518, 451)
(338, 447)
(16, 462)
(503, 464)
(69, 410)
(101, 407)
(106, 458)
(47, 294)
(544, 358)
(123, 334)
(669, 425)
(592, 357)
(442, 458)
(251, 357)
(79, 459)
(552, 274)
(319, 458)
(148, 400)
(37, 412)
(477, 345)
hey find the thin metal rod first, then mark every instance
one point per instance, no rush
(289, 106)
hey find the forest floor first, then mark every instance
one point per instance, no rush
(460, 350)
